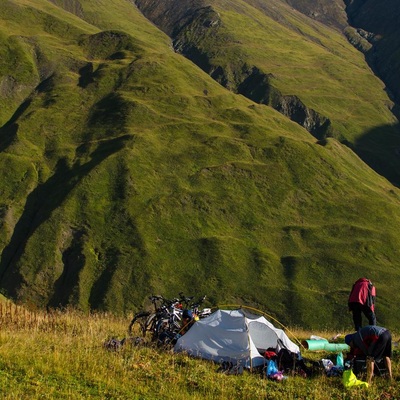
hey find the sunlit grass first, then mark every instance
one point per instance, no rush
(61, 355)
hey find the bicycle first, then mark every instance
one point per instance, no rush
(164, 323)
(147, 320)
(205, 312)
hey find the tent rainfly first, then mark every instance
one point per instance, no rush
(234, 335)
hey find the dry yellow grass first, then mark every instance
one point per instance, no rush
(60, 355)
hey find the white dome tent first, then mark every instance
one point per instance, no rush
(236, 336)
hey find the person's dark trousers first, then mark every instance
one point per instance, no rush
(358, 309)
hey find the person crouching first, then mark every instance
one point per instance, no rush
(375, 343)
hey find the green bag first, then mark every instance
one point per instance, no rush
(350, 380)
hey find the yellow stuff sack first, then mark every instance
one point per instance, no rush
(350, 380)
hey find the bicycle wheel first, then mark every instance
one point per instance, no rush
(139, 320)
(164, 336)
(150, 325)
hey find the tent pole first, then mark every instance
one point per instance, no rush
(268, 316)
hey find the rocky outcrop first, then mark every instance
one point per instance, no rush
(360, 39)
(257, 86)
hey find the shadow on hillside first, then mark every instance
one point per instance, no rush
(86, 75)
(101, 286)
(40, 204)
(110, 255)
(73, 259)
(8, 132)
(290, 268)
(380, 149)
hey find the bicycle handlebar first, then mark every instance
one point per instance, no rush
(183, 299)
(154, 298)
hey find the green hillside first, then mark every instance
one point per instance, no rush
(128, 170)
(275, 55)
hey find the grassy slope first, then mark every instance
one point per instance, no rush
(305, 58)
(340, 84)
(47, 356)
(138, 173)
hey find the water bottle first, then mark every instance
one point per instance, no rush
(339, 360)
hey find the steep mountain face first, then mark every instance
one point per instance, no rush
(127, 170)
(192, 24)
(329, 12)
(372, 26)
(379, 24)
(205, 32)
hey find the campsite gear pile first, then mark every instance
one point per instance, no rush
(164, 323)
(236, 340)
(273, 372)
(332, 369)
(115, 344)
(236, 336)
(240, 338)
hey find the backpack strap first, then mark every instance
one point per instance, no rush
(370, 302)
